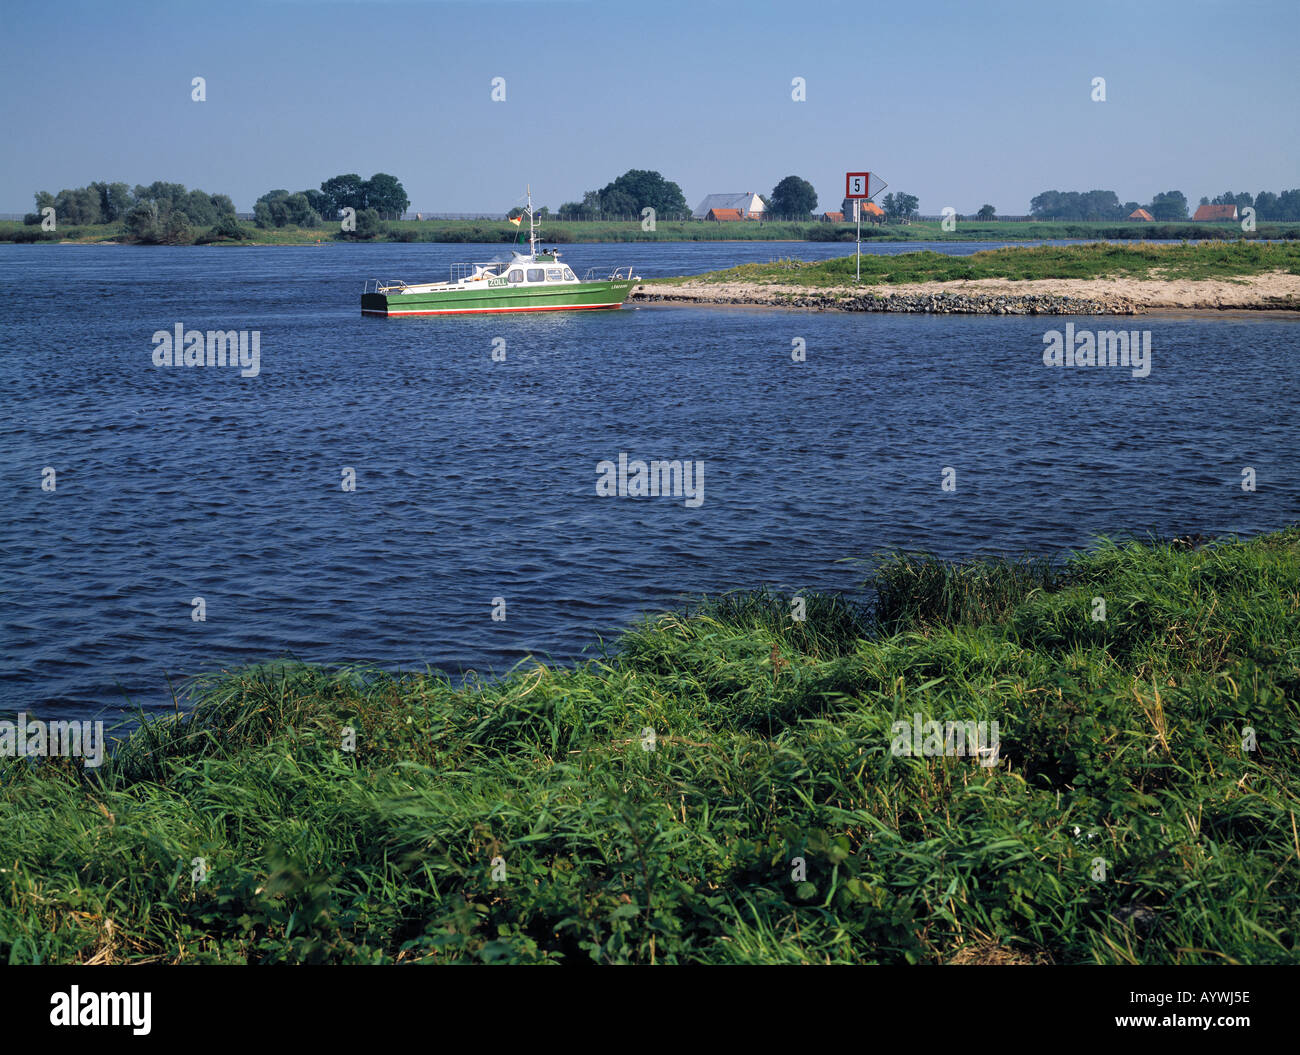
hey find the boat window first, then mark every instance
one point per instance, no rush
(554, 274)
(536, 274)
(568, 274)
(516, 276)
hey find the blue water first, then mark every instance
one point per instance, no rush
(476, 479)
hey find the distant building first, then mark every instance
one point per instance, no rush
(1216, 212)
(871, 212)
(723, 214)
(749, 205)
(833, 217)
(1141, 214)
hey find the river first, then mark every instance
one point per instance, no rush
(476, 479)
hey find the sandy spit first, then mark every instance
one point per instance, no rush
(1118, 296)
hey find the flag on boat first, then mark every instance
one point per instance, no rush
(515, 220)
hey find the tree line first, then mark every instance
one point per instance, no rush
(1168, 205)
(1267, 205)
(156, 213)
(173, 214)
(382, 195)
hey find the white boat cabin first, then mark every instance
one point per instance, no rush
(523, 269)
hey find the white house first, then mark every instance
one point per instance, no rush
(749, 204)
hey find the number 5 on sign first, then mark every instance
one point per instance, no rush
(862, 184)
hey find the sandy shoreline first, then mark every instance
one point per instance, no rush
(1119, 296)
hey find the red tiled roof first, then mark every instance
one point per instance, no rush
(833, 217)
(874, 209)
(1141, 214)
(1216, 212)
(723, 214)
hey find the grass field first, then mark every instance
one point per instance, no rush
(1142, 808)
(556, 232)
(1227, 260)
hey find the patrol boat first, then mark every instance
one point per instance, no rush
(529, 281)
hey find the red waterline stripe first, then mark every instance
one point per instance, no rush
(487, 311)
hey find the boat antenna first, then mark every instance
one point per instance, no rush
(532, 223)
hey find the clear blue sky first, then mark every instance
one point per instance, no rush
(957, 103)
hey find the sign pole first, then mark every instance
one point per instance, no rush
(858, 188)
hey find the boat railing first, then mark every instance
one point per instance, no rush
(384, 285)
(464, 271)
(618, 274)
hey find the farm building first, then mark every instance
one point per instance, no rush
(833, 217)
(1216, 212)
(749, 205)
(1141, 214)
(871, 212)
(723, 215)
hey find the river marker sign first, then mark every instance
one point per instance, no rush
(861, 186)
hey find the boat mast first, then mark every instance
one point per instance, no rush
(532, 224)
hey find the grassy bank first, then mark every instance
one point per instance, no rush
(557, 232)
(1121, 743)
(1094, 260)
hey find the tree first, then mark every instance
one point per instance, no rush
(171, 195)
(639, 189)
(344, 192)
(114, 200)
(73, 206)
(1073, 205)
(384, 193)
(223, 205)
(142, 221)
(298, 211)
(228, 226)
(368, 225)
(273, 211)
(618, 203)
(899, 206)
(1169, 205)
(987, 212)
(320, 204)
(793, 197)
(1288, 205)
(199, 209)
(1266, 205)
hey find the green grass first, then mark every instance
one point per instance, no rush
(1226, 260)
(773, 743)
(563, 232)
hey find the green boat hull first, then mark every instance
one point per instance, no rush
(570, 297)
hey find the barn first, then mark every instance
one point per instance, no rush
(749, 205)
(1216, 212)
